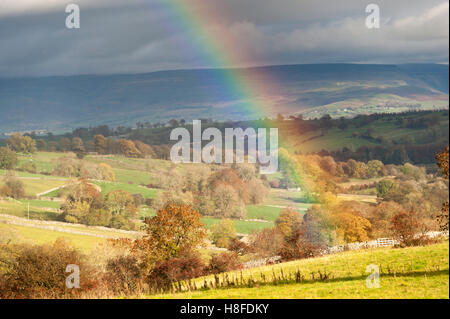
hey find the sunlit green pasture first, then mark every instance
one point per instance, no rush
(417, 272)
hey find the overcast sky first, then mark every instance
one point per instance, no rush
(136, 36)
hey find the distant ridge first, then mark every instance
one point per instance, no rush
(66, 102)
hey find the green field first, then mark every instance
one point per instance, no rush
(22, 234)
(285, 198)
(418, 272)
(44, 161)
(131, 188)
(36, 185)
(268, 213)
(242, 226)
(41, 203)
(43, 210)
(336, 139)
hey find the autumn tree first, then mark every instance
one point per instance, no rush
(298, 246)
(78, 147)
(144, 149)
(405, 228)
(227, 202)
(223, 262)
(83, 199)
(106, 172)
(348, 220)
(245, 171)
(375, 168)
(64, 144)
(223, 232)
(384, 186)
(267, 242)
(173, 197)
(317, 228)
(120, 202)
(13, 187)
(443, 162)
(128, 148)
(21, 144)
(257, 191)
(229, 177)
(328, 164)
(174, 229)
(8, 158)
(120, 205)
(41, 144)
(288, 222)
(380, 217)
(100, 144)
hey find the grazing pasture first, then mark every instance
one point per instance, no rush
(416, 272)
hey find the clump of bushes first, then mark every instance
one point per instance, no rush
(224, 262)
(123, 275)
(223, 232)
(8, 158)
(238, 246)
(29, 167)
(40, 272)
(13, 188)
(186, 266)
(84, 204)
(408, 230)
(69, 167)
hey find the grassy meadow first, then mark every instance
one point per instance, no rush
(417, 272)
(131, 174)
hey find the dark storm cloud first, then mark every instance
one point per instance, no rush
(141, 36)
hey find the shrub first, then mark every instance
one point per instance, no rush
(227, 202)
(223, 232)
(8, 158)
(238, 246)
(83, 198)
(406, 228)
(187, 265)
(384, 187)
(267, 242)
(275, 183)
(21, 144)
(29, 167)
(106, 172)
(121, 202)
(13, 188)
(257, 192)
(298, 246)
(288, 221)
(120, 222)
(5, 191)
(174, 229)
(123, 275)
(40, 272)
(99, 217)
(224, 262)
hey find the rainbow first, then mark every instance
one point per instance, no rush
(223, 51)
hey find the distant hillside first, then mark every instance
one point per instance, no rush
(64, 103)
(418, 135)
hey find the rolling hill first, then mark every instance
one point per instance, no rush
(64, 103)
